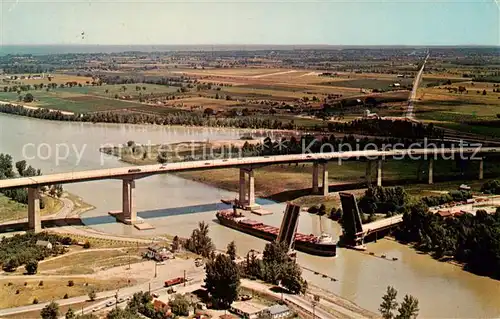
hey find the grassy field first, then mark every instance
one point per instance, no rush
(58, 99)
(454, 110)
(11, 210)
(51, 289)
(88, 262)
(132, 89)
(278, 179)
(380, 84)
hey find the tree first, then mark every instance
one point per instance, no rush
(70, 314)
(179, 305)
(21, 167)
(175, 244)
(208, 112)
(408, 308)
(231, 250)
(28, 98)
(92, 295)
(50, 311)
(291, 278)
(389, 303)
(31, 267)
(274, 260)
(484, 92)
(222, 280)
(199, 242)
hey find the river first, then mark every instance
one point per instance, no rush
(175, 206)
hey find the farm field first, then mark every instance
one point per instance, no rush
(60, 99)
(370, 83)
(123, 89)
(455, 110)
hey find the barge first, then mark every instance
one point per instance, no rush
(323, 245)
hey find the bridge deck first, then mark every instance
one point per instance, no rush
(146, 170)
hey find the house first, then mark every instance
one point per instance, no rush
(278, 311)
(158, 253)
(247, 309)
(161, 306)
(44, 243)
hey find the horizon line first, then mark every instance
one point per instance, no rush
(258, 44)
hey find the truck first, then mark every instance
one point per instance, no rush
(173, 282)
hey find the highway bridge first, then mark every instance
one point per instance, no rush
(247, 166)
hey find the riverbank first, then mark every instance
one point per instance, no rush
(65, 206)
(11, 210)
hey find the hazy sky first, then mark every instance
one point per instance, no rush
(348, 22)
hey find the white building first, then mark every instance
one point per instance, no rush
(44, 243)
(247, 309)
(278, 311)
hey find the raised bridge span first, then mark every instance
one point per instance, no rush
(246, 165)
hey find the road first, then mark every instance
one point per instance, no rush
(413, 95)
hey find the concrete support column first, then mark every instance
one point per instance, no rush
(368, 173)
(315, 176)
(481, 168)
(325, 178)
(431, 170)
(251, 189)
(34, 221)
(129, 214)
(242, 199)
(379, 172)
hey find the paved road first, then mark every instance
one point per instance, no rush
(413, 95)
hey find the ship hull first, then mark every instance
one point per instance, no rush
(327, 250)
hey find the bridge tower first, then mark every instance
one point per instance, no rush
(129, 213)
(289, 225)
(352, 234)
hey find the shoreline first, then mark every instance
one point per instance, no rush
(256, 130)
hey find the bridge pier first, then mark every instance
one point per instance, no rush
(325, 178)
(379, 172)
(431, 170)
(247, 189)
(129, 214)
(315, 174)
(368, 173)
(34, 221)
(481, 168)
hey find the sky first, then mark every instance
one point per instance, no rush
(347, 22)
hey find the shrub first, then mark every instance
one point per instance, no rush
(66, 296)
(71, 283)
(86, 245)
(40, 283)
(35, 301)
(17, 292)
(31, 267)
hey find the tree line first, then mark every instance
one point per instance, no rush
(20, 195)
(387, 127)
(473, 240)
(181, 118)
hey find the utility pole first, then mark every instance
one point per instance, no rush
(156, 272)
(116, 298)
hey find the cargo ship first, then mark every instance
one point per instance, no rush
(323, 245)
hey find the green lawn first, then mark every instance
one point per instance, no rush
(61, 99)
(118, 89)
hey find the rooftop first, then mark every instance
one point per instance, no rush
(248, 307)
(277, 309)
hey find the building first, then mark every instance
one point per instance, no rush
(158, 253)
(44, 243)
(247, 309)
(161, 306)
(278, 311)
